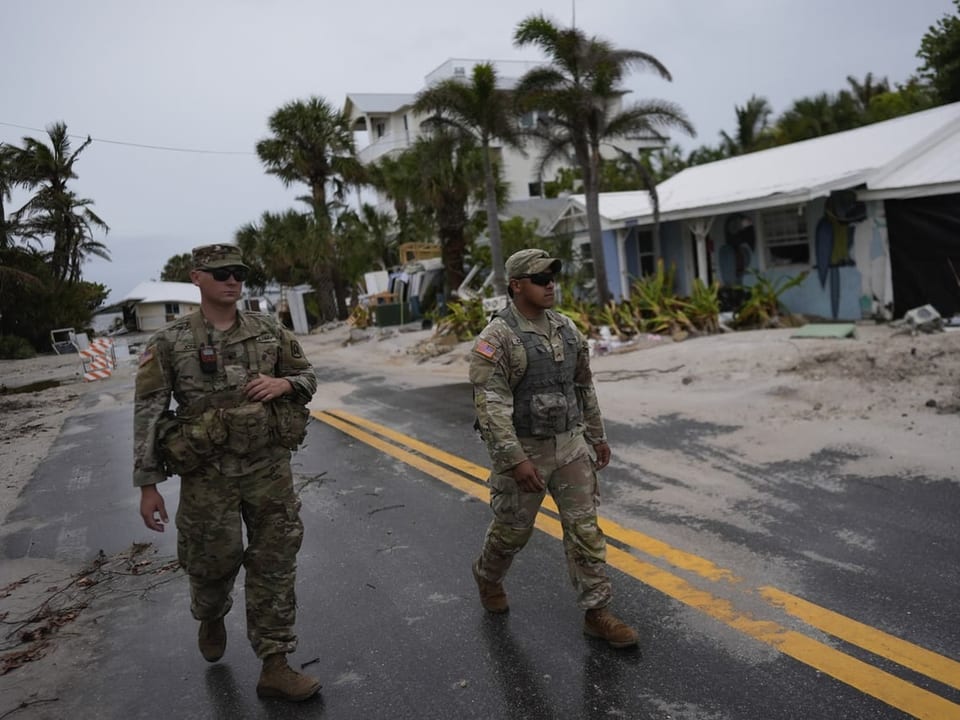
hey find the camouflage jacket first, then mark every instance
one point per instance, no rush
(498, 363)
(170, 367)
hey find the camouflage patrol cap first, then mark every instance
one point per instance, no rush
(530, 261)
(217, 256)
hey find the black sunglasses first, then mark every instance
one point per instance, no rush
(541, 278)
(223, 274)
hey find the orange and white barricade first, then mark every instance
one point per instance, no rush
(99, 360)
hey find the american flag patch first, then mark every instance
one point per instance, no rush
(486, 349)
(146, 357)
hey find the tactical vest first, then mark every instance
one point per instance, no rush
(545, 399)
(224, 420)
(218, 394)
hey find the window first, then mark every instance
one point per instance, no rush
(171, 311)
(528, 120)
(380, 129)
(534, 189)
(785, 236)
(647, 253)
(586, 260)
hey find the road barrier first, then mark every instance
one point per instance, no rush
(99, 360)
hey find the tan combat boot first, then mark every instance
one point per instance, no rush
(279, 680)
(603, 624)
(212, 639)
(492, 596)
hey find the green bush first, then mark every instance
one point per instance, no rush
(762, 308)
(15, 348)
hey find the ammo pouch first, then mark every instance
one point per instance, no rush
(184, 445)
(548, 414)
(247, 428)
(290, 420)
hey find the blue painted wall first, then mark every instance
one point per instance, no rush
(810, 298)
(611, 260)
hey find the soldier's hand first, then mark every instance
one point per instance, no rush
(603, 455)
(152, 508)
(528, 477)
(264, 388)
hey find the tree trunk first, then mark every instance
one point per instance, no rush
(453, 247)
(341, 290)
(326, 295)
(493, 224)
(591, 188)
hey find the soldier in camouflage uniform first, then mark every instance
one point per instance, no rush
(537, 412)
(241, 383)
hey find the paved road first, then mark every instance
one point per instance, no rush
(394, 512)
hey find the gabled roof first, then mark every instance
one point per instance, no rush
(545, 211)
(155, 292)
(929, 170)
(920, 149)
(376, 103)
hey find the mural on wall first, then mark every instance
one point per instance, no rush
(834, 240)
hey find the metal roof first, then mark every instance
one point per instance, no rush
(918, 149)
(544, 211)
(156, 292)
(378, 103)
(934, 169)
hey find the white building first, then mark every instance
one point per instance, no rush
(151, 305)
(391, 126)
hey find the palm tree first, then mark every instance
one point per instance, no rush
(283, 247)
(864, 92)
(378, 234)
(177, 268)
(580, 93)
(396, 176)
(649, 184)
(312, 143)
(753, 122)
(10, 177)
(486, 112)
(819, 115)
(448, 172)
(55, 211)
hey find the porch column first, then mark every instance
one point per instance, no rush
(622, 263)
(700, 229)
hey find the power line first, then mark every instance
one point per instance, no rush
(165, 148)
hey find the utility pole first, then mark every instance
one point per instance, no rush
(574, 4)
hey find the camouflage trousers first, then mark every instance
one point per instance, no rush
(565, 465)
(210, 518)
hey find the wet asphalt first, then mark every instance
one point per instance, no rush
(388, 617)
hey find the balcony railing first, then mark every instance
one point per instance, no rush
(383, 145)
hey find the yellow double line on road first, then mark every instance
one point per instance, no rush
(861, 675)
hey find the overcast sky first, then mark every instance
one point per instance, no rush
(206, 75)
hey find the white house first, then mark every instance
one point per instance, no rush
(151, 305)
(873, 214)
(391, 126)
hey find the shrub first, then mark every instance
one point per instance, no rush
(763, 308)
(464, 319)
(15, 348)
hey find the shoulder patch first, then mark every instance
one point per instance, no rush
(146, 356)
(295, 350)
(485, 349)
